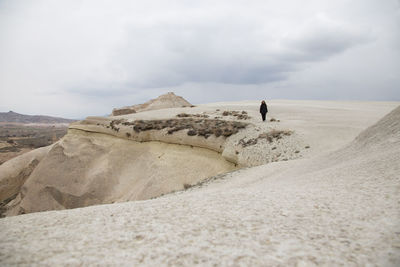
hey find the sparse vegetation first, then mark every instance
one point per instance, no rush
(275, 134)
(270, 137)
(200, 127)
(185, 115)
(116, 122)
(250, 142)
(239, 115)
(187, 186)
(274, 120)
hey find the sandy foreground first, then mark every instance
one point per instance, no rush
(339, 204)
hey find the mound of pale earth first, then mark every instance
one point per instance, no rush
(15, 172)
(88, 168)
(103, 160)
(338, 209)
(232, 132)
(242, 143)
(169, 100)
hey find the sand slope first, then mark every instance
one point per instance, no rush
(100, 160)
(342, 208)
(90, 168)
(14, 172)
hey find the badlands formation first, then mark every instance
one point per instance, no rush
(317, 185)
(141, 156)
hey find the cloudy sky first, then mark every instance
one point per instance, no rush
(75, 58)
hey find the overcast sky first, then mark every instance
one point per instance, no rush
(78, 58)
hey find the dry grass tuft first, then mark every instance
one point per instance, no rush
(239, 115)
(274, 120)
(116, 122)
(270, 137)
(185, 115)
(275, 134)
(250, 142)
(187, 186)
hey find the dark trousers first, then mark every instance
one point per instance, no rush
(263, 115)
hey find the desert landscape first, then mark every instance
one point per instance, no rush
(200, 133)
(22, 133)
(211, 184)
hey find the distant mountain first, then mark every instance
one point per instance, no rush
(20, 118)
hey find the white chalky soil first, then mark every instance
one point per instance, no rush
(332, 207)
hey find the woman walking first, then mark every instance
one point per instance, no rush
(263, 110)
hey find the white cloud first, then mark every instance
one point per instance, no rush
(103, 54)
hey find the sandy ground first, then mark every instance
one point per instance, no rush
(339, 205)
(324, 125)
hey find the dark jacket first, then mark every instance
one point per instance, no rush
(263, 108)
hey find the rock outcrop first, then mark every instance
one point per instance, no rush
(84, 169)
(15, 172)
(114, 159)
(169, 100)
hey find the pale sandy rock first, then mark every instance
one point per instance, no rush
(90, 168)
(93, 176)
(336, 209)
(169, 100)
(14, 172)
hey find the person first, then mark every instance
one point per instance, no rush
(263, 110)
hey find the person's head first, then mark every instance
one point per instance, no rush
(263, 102)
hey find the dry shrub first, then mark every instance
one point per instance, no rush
(187, 186)
(183, 115)
(191, 133)
(239, 115)
(275, 134)
(115, 122)
(250, 142)
(270, 137)
(199, 127)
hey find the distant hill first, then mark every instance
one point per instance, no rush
(169, 100)
(12, 116)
